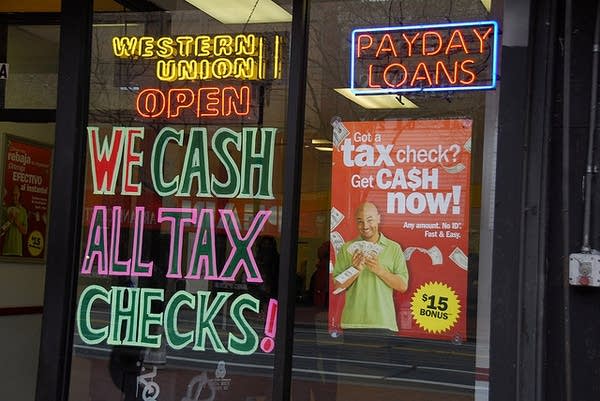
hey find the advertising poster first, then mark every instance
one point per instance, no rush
(399, 227)
(25, 196)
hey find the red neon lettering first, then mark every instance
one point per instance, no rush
(410, 42)
(150, 103)
(472, 74)
(390, 47)
(441, 66)
(236, 102)
(360, 47)
(482, 38)
(451, 45)
(208, 98)
(207, 102)
(371, 84)
(425, 77)
(179, 99)
(429, 51)
(387, 71)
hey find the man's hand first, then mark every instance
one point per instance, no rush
(372, 263)
(358, 260)
(393, 281)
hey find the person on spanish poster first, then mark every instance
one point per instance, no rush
(379, 270)
(14, 225)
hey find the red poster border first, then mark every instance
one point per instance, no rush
(459, 327)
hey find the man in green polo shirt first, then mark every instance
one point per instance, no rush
(369, 291)
(15, 226)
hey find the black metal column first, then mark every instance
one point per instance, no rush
(518, 322)
(67, 199)
(292, 180)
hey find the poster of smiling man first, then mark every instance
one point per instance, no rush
(399, 227)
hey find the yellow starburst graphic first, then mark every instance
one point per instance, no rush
(435, 307)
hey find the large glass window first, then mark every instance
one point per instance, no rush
(393, 276)
(179, 258)
(32, 55)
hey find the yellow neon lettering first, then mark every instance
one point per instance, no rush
(222, 45)
(165, 47)
(261, 66)
(146, 46)
(276, 61)
(187, 69)
(166, 70)
(185, 45)
(245, 45)
(124, 46)
(244, 68)
(222, 68)
(203, 45)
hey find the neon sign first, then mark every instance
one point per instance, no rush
(204, 57)
(203, 102)
(444, 57)
(217, 64)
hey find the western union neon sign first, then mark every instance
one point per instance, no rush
(204, 57)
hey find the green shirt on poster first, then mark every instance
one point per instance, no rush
(369, 300)
(13, 239)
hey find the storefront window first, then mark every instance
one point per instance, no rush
(32, 75)
(393, 284)
(177, 294)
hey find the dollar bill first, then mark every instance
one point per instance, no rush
(455, 169)
(365, 247)
(434, 254)
(356, 246)
(346, 274)
(409, 251)
(372, 248)
(337, 241)
(459, 258)
(336, 218)
(340, 132)
(467, 145)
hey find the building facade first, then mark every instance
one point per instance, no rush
(320, 200)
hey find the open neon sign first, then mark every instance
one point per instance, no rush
(444, 57)
(210, 74)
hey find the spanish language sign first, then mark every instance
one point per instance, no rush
(26, 189)
(399, 227)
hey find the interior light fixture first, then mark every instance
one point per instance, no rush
(390, 101)
(115, 25)
(321, 141)
(237, 11)
(487, 4)
(324, 148)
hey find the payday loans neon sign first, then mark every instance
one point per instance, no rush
(444, 57)
(215, 64)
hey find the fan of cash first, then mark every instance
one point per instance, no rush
(365, 247)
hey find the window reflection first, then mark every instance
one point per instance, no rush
(334, 363)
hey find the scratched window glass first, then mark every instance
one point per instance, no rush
(394, 253)
(177, 288)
